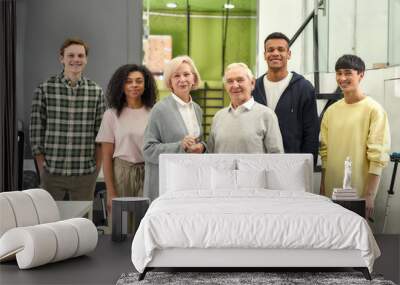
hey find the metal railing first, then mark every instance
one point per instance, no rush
(313, 16)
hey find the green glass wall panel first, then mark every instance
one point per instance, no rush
(206, 41)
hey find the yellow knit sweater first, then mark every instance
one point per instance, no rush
(360, 131)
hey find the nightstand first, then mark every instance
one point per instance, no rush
(355, 205)
(120, 207)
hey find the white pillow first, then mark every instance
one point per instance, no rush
(251, 178)
(188, 177)
(223, 179)
(281, 174)
(293, 179)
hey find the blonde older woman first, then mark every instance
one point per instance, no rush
(175, 122)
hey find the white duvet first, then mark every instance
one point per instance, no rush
(253, 218)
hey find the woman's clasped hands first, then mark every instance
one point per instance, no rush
(191, 144)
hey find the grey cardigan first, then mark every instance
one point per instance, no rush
(163, 134)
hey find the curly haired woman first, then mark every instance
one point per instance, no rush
(131, 93)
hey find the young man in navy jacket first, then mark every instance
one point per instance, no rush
(291, 96)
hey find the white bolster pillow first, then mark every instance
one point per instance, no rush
(7, 217)
(87, 235)
(66, 238)
(33, 246)
(26, 208)
(46, 207)
(23, 208)
(37, 245)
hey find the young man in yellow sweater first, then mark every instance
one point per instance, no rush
(355, 127)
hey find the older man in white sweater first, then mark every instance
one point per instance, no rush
(245, 126)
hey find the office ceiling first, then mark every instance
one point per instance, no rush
(241, 6)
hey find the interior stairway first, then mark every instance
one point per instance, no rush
(210, 96)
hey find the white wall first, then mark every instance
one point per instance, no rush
(358, 27)
(370, 43)
(283, 16)
(394, 31)
(384, 86)
(111, 28)
(352, 27)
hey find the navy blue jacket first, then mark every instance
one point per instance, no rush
(297, 114)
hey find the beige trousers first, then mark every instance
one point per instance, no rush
(128, 182)
(128, 178)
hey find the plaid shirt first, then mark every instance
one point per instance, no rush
(64, 124)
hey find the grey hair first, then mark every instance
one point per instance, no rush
(249, 73)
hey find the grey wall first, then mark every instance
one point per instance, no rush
(113, 30)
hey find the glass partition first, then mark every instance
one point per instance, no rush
(214, 33)
(323, 38)
(394, 32)
(367, 28)
(207, 30)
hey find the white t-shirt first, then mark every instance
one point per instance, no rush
(125, 132)
(188, 115)
(274, 90)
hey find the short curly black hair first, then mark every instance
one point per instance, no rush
(115, 91)
(276, 36)
(350, 61)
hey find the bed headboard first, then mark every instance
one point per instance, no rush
(284, 165)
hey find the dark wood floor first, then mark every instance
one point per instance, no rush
(389, 262)
(110, 260)
(102, 266)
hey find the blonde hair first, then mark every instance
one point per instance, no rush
(173, 65)
(249, 73)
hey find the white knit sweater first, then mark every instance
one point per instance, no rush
(254, 130)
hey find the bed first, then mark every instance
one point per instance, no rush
(247, 210)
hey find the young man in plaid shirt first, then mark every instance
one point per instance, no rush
(66, 114)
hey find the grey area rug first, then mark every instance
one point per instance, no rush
(273, 278)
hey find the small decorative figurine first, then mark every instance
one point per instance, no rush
(347, 174)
